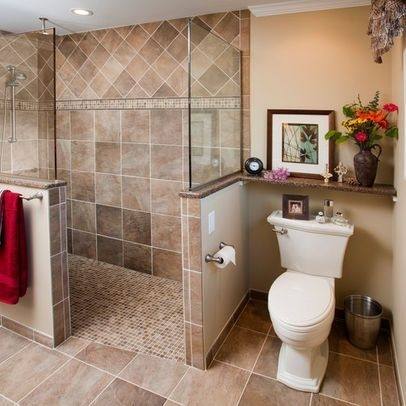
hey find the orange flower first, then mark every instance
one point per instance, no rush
(375, 116)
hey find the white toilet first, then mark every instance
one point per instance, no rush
(301, 301)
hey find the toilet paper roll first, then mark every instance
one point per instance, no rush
(227, 254)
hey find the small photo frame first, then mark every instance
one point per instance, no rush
(295, 207)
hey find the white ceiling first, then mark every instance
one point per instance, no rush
(22, 15)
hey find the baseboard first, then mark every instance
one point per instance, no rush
(258, 295)
(226, 329)
(27, 332)
(396, 368)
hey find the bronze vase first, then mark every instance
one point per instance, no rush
(366, 165)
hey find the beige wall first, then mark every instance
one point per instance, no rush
(223, 289)
(399, 237)
(317, 60)
(368, 260)
(320, 60)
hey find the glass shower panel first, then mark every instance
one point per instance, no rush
(27, 104)
(215, 106)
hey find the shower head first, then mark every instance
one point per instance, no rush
(43, 25)
(16, 76)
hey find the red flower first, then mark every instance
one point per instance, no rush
(383, 124)
(390, 107)
(361, 136)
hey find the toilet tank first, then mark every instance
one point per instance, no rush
(310, 247)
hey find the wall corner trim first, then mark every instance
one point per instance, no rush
(302, 6)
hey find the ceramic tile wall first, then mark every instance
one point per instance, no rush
(31, 54)
(125, 166)
(124, 170)
(192, 283)
(59, 265)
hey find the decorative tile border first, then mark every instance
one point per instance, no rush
(157, 103)
(29, 105)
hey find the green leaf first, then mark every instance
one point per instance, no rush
(342, 139)
(374, 103)
(333, 135)
(392, 132)
(349, 111)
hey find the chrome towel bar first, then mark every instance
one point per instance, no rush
(37, 195)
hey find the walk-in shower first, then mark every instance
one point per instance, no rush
(27, 103)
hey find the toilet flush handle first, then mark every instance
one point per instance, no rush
(281, 230)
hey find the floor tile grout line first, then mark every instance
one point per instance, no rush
(8, 399)
(12, 355)
(379, 375)
(253, 366)
(188, 368)
(276, 380)
(226, 337)
(340, 400)
(122, 378)
(352, 357)
(250, 329)
(44, 380)
(114, 378)
(77, 352)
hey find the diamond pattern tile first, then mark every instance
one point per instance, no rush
(147, 60)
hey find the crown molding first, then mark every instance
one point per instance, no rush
(302, 6)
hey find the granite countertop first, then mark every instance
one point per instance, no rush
(26, 181)
(212, 187)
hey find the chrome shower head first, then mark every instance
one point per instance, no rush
(16, 76)
(43, 25)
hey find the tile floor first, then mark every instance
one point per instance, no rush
(127, 309)
(80, 372)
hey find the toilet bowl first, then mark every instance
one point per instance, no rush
(301, 301)
(302, 310)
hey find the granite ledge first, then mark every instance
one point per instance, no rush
(304, 183)
(26, 181)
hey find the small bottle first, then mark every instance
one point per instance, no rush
(328, 208)
(320, 218)
(340, 220)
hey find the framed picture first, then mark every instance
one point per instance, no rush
(296, 141)
(295, 207)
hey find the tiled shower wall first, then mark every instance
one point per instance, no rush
(33, 55)
(122, 139)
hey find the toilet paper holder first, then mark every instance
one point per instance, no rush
(211, 258)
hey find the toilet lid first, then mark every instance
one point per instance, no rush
(299, 299)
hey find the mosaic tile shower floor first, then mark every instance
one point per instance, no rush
(127, 309)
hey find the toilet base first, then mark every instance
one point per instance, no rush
(303, 369)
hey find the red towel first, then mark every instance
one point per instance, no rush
(13, 250)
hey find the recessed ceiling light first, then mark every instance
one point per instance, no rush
(81, 12)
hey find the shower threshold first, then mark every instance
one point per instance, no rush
(126, 309)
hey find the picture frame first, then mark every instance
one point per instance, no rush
(296, 142)
(295, 207)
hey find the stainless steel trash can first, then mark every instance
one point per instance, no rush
(363, 320)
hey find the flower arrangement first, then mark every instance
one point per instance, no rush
(366, 124)
(277, 175)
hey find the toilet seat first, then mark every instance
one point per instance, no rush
(301, 302)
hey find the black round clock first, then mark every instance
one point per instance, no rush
(254, 166)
